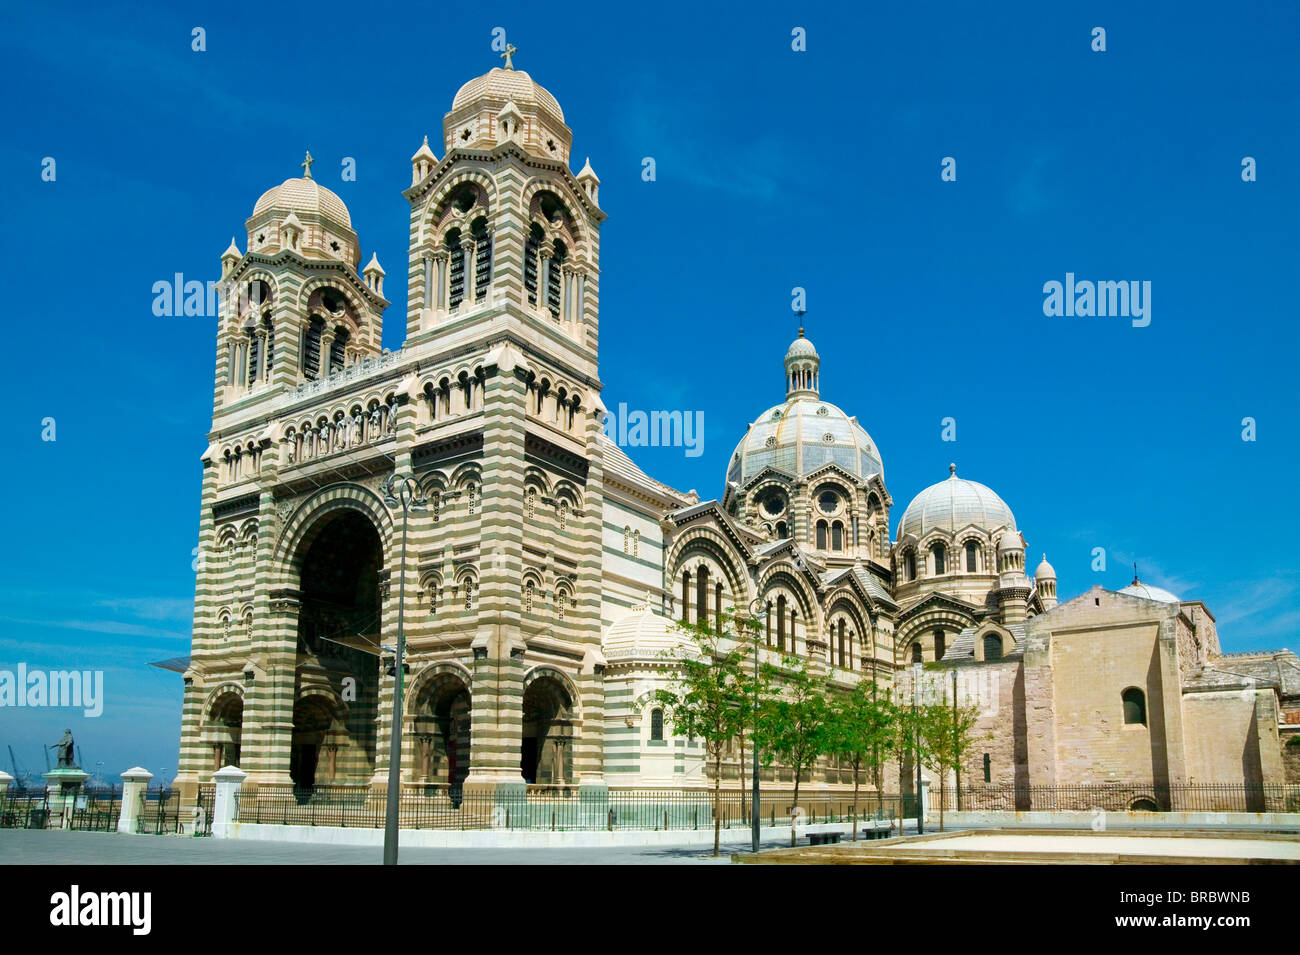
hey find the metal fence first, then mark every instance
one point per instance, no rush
(97, 810)
(25, 809)
(159, 812)
(549, 808)
(1123, 797)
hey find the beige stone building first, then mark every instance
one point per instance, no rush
(545, 568)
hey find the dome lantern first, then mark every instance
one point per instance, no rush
(802, 368)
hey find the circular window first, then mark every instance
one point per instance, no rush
(828, 438)
(828, 501)
(770, 442)
(773, 503)
(822, 411)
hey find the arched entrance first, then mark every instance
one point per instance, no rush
(225, 730)
(339, 564)
(546, 755)
(441, 729)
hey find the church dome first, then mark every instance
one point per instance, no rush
(953, 504)
(642, 634)
(500, 86)
(1147, 592)
(1045, 570)
(805, 433)
(304, 196)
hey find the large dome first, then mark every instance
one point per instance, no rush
(802, 435)
(953, 504)
(1147, 592)
(499, 86)
(304, 196)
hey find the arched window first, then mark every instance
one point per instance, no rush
(940, 645)
(837, 536)
(456, 274)
(937, 552)
(268, 327)
(338, 350)
(530, 503)
(841, 643)
(972, 557)
(531, 248)
(1135, 706)
(909, 565)
(528, 596)
(780, 623)
(472, 497)
(636, 543)
(916, 652)
(821, 535)
(686, 596)
(992, 647)
(564, 515)
(555, 279)
(482, 259)
(469, 594)
(781, 530)
(702, 597)
(656, 724)
(627, 539)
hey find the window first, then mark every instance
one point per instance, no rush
(992, 647)
(940, 646)
(937, 553)
(564, 515)
(554, 279)
(656, 724)
(972, 558)
(988, 769)
(821, 535)
(530, 503)
(627, 539)
(482, 259)
(916, 653)
(909, 565)
(338, 350)
(702, 597)
(530, 262)
(837, 536)
(528, 596)
(686, 596)
(780, 623)
(1135, 706)
(456, 279)
(828, 501)
(636, 543)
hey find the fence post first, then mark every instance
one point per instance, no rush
(134, 782)
(229, 781)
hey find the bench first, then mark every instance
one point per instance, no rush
(878, 830)
(822, 835)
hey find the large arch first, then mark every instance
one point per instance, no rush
(439, 715)
(550, 718)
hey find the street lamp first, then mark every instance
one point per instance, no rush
(757, 606)
(399, 491)
(916, 744)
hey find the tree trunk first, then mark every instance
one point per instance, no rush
(740, 780)
(717, 798)
(795, 804)
(943, 779)
(855, 801)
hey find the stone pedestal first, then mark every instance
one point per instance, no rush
(63, 786)
(5, 780)
(229, 781)
(925, 799)
(134, 783)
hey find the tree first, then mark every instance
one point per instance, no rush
(947, 733)
(861, 731)
(707, 700)
(792, 724)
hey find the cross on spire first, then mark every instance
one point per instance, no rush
(306, 165)
(510, 51)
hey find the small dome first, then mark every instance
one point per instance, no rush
(501, 86)
(1011, 540)
(953, 504)
(643, 634)
(1147, 592)
(801, 348)
(1045, 570)
(304, 196)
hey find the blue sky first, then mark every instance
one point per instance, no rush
(775, 169)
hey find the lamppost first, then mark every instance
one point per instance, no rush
(916, 744)
(399, 491)
(756, 606)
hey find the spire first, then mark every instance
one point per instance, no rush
(952, 470)
(306, 165)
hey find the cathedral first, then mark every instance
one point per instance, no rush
(542, 574)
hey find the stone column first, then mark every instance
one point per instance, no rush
(134, 783)
(230, 781)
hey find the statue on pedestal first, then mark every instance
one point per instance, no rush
(66, 748)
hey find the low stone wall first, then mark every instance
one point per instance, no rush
(1118, 820)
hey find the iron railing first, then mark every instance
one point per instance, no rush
(1123, 797)
(25, 809)
(549, 808)
(97, 810)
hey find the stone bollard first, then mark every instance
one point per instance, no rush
(229, 781)
(925, 799)
(134, 783)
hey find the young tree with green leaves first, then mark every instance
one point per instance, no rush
(861, 731)
(948, 733)
(792, 723)
(708, 699)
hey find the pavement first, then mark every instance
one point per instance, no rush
(63, 847)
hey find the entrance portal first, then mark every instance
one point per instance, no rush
(546, 754)
(442, 731)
